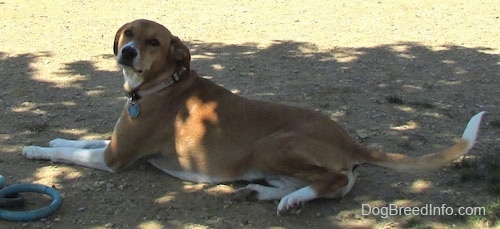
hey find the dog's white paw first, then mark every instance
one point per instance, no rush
(293, 202)
(290, 205)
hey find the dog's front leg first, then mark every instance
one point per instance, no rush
(91, 158)
(82, 144)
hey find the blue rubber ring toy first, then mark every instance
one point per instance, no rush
(32, 214)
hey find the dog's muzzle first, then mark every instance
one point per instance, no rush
(128, 54)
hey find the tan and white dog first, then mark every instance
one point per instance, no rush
(195, 130)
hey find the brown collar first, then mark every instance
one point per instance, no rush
(138, 94)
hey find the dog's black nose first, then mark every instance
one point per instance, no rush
(129, 53)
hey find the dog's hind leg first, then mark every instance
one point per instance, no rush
(329, 185)
(277, 188)
(305, 158)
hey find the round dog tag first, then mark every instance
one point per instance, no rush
(133, 109)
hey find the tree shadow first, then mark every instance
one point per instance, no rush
(60, 103)
(403, 97)
(17, 85)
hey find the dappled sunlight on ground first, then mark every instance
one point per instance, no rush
(54, 174)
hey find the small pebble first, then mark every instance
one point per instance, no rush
(109, 187)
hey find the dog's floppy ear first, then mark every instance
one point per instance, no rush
(180, 53)
(117, 37)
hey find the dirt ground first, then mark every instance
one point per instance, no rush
(404, 76)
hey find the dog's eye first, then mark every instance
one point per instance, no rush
(129, 33)
(153, 42)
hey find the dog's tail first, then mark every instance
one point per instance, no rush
(405, 163)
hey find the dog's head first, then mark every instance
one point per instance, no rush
(145, 50)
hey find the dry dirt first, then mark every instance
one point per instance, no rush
(404, 77)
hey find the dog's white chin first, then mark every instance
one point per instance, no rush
(133, 79)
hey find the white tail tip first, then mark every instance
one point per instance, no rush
(470, 132)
